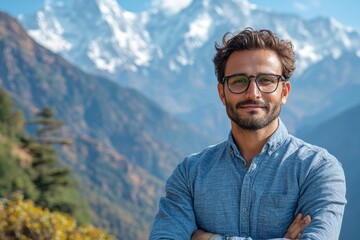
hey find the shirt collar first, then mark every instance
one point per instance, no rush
(277, 138)
(274, 142)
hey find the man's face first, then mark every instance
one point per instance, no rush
(252, 109)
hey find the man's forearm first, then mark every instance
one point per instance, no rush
(293, 232)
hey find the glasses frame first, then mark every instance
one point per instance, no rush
(279, 78)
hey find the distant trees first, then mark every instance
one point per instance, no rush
(48, 128)
(11, 120)
(14, 161)
(57, 188)
(29, 165)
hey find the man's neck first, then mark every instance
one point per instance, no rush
(250, 143)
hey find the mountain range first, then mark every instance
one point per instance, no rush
(127, 132)
(168, 57)
(340, 135)
(125, 145)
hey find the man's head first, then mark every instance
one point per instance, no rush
(253, 69)
(250, 39)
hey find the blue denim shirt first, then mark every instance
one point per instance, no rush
(215, 190)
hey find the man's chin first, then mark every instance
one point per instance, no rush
(252, 123)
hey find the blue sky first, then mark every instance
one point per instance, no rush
(345, 11)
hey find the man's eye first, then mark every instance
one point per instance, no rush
(239, 81)
(266, 80)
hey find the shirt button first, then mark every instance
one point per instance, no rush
(244, 210)
(253, 166)
(248, 178)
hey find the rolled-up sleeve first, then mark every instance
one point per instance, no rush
(175, 219)
(322, 196)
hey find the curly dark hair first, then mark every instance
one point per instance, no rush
(250, 39)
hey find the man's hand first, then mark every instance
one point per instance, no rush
(294, 231)
(201, 235)
(298, 225)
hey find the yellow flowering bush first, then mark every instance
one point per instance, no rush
(21, 219)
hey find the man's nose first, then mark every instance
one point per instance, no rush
(253, 91)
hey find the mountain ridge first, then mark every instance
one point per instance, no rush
(177, 71)
(181, 79)
(125, 145)
(340, 135)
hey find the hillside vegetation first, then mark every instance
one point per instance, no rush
(30, 170)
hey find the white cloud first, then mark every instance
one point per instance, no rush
(171, 6)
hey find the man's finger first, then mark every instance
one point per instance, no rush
(297, 226)
(297, 219)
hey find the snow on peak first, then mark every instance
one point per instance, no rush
(358, 53)
(171, 7)
(336, 25)
(114, 39)
(246, 4)
(308, 54)
(125, 28)
(110, 37)
(49, 33)
(198, 31)
(336, 52)
(49, 4)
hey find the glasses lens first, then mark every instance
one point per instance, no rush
(267, 83)
(239, 83)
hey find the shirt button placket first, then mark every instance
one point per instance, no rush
(246, 201)
(245, 205)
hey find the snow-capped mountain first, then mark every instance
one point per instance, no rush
(94, 34)
(169, 56)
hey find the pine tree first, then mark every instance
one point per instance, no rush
(57, 187)
(48, 128)
(29, 165)
(11, 120)
(12, 177)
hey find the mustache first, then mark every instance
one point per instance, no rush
(251, 102)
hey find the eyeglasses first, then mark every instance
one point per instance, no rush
(265, 82)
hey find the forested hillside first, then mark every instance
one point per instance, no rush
(124, 145)
(30, 169)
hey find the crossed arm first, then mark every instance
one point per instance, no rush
(322, 195)
(293, 232)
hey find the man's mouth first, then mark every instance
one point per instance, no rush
(251, 105)
(252, 108)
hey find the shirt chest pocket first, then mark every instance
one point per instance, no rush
(276, 213)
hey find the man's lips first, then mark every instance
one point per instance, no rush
(252, 107)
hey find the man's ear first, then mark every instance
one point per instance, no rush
(285, 92)
(221, 93)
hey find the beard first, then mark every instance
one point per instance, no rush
(252, 122)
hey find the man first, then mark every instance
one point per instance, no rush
(253, 185)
